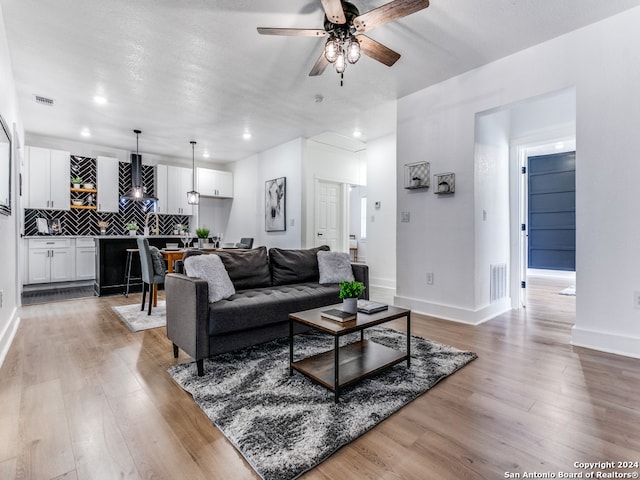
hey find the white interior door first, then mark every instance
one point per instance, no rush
(328, 215)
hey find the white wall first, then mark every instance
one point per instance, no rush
(381, 223)
(9, 280)
(246, 217)
(438, 124)
(282, 161)
(491, 215)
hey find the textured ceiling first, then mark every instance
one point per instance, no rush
(197, 70)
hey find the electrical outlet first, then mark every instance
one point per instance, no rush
(405, 217)
(429, 278)
(636, 299)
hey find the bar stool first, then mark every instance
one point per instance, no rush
(127, 269)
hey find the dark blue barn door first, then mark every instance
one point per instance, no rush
(552, 211)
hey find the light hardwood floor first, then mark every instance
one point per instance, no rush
(81, 397)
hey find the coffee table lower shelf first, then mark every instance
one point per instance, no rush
(356, 361)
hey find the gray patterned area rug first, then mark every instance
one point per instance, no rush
(284, 425)
(138, 320)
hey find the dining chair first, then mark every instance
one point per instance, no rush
(152, 271)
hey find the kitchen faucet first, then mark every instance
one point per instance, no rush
(156, 229)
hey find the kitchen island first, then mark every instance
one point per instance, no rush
(111, 258)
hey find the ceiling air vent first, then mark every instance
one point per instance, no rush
(44, 100)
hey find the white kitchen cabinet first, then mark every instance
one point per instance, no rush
(172, 185)
(51, 260)
(85, 258)
(107, 185)
(215, 183)
(48, 177)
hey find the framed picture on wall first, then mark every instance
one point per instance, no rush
(275, 196)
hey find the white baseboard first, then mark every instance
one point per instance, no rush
(606, 342)
(455, 314)
(7, 335)
(379, 282)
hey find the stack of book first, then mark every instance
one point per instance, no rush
(367, 306)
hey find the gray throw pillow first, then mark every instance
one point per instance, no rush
(211, 269)
(157, 260)
(335, 267)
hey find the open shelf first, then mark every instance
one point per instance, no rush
(84, 207)
(84, 190)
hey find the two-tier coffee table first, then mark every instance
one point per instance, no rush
(342, 366)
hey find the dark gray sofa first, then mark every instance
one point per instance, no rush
(268, 288)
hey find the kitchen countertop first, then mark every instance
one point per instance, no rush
(110, 237)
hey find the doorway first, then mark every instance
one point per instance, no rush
(329, 218)
(546, 222)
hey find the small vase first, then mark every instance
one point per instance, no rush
(350, 305)
(76, 185)
(133, 233)
(201, 243)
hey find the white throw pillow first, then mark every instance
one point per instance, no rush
(334, 267)
(211, 269)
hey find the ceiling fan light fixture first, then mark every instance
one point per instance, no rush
(341, 63)
(353, 50)
(331, 49)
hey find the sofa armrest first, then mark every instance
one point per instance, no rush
(188, 314)
(361, 274)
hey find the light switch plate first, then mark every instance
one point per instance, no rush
(405, 217)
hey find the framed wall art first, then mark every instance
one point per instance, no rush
(5, 168)
(444, 183)
(416, 175)
(275, 202)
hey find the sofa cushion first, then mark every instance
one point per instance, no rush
(334, 267)
(247, 269)
(211, 269)
(294, 266)
(259, 307)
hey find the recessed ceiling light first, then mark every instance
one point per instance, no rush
(99, 99)
(205, 154)
(85, 132)
(246, 136)
(357, 133)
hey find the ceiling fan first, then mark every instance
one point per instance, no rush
(345, 27)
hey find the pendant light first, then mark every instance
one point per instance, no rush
(193, 197)
(136, 165)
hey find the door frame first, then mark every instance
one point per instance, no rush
(519, 150)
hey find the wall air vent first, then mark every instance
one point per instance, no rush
(44, 100)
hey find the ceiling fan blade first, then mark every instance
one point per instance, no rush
(387, 13)
(377, 51)
(333, 10)
(319, 66)
(292, 32)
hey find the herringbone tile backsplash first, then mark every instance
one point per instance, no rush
(85, 222)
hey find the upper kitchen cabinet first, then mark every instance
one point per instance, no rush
(108, 194)
(48, 177)
(172, 185)
(215, 183)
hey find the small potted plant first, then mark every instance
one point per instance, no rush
(202, 234)
(132, 227)
(103, 227)
(76, 181)
(349, 293)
